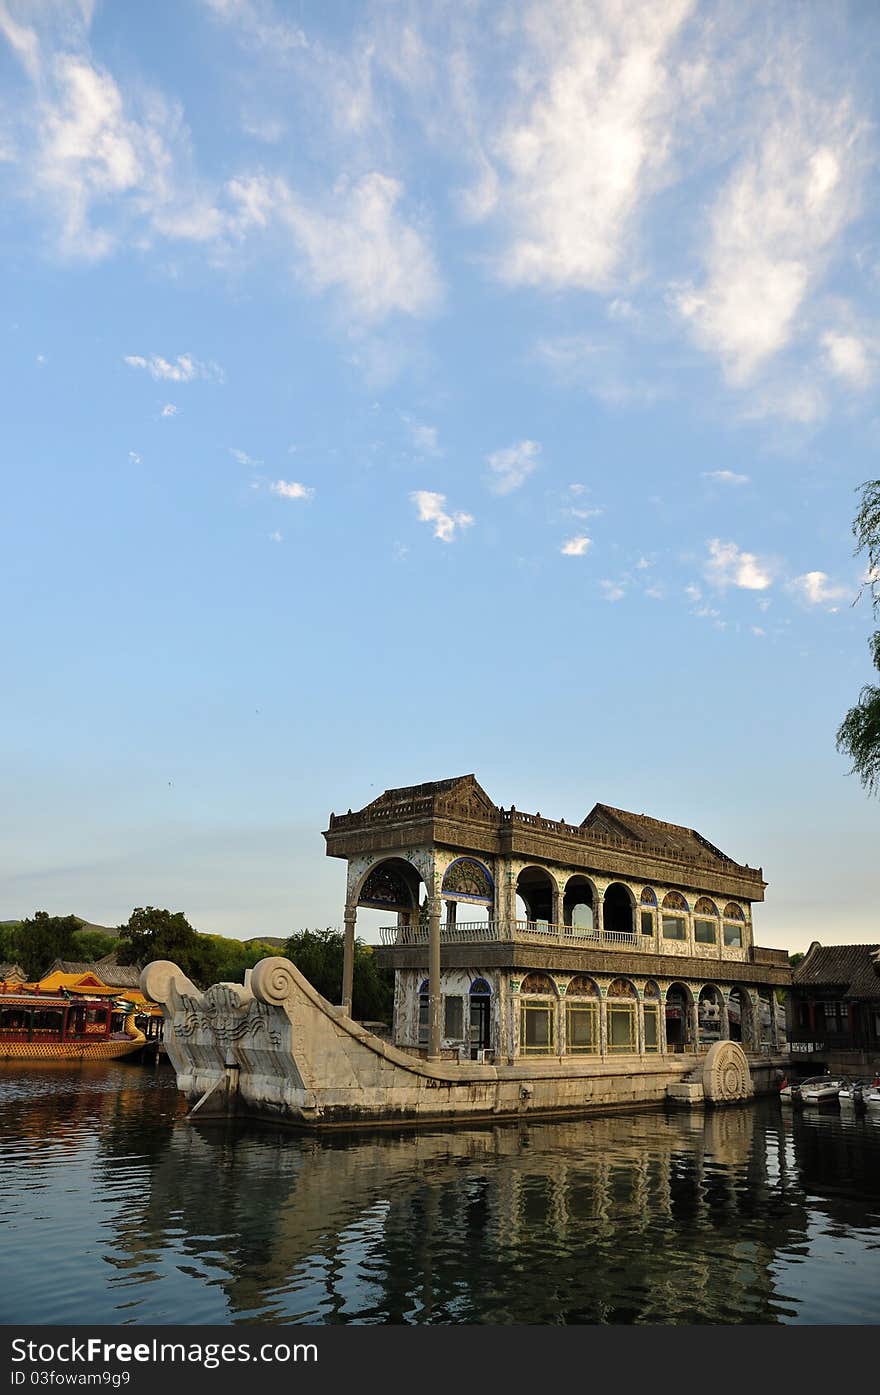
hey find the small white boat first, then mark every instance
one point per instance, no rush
(821, 1089)
(871, 1094)
(852, 1092)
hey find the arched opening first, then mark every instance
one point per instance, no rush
(579, 904)
(706, 921)
(734, 926)
(648, 910)
(709, 1016)
(480, 996)
(679, 1036)
(673, 917)
(621, 1017)
(468, 893)
(651, 1016)
(739, 1016)
(617, 910)
(582, 1036)
(535, 890)
(537, 1021)
(391, 891)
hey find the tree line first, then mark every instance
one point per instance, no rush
(153, 933)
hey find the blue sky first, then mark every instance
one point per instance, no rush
(396, 391)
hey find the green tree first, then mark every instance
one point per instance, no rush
(89, 945)
(318, 954)
(151, 933)
(858, 735)
(42, 938)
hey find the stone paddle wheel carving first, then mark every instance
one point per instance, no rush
(726, 1074)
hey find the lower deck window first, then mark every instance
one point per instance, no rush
(453, 1018)
(582, 1028)
(536, 1029)
(647, 922)
(733, 934)
(704, 932)
(621, 1027)
(652, 1028)
(423, 1019)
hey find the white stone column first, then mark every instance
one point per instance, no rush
(435, 1025)
(348, 957)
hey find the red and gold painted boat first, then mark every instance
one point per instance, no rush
(52, 1027)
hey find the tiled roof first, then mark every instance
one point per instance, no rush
(847, 967)
(641, 828)
(106, 969)
(12, 971)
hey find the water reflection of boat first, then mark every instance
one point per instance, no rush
(48, 1027)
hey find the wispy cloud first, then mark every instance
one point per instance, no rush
(576, 547)
(849, 357)
(728, 565)
(772, 228)
(169, 410)
(592, 140)
(183, 369)
(356, 242)
(725, 477)
(242, 457)
(817, 588)
(613, 590)
(511, 467)
(431, 508)
(291, 489)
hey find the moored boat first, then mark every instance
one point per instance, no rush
(821, 1089)
(53, 1027)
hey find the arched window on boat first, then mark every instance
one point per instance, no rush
(621, 1009)
(480, 996)
(647, 910)
(734, 924)
(674, 916)
(537, 1022)
(705, 921)
(651, 1016)
(582, 1017)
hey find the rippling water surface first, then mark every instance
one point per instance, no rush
(113, 1210)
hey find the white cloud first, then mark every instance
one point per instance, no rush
(511, 467)
(656, 593)
(183, 369)
(134, 458)
(772, 229)
(276, 537)
(725, 477)
(593, 140)
(431, 509)
(169, 410)
(729, 566)
(359, 243)
(817, 588)
(291, 489)
(612, 590)
(242, 457)
(848, 356)
(576, 547)
(424, 437)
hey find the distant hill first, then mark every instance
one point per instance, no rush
(110, 930)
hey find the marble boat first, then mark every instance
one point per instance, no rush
(275, 1050)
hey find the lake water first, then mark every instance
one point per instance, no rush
(113, 1210)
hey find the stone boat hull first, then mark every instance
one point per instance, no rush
(276, 1050)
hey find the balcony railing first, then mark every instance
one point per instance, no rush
(493, 931)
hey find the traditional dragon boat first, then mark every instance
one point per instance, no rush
(54, 1027)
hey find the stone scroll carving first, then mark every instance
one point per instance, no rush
(726, 1074)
